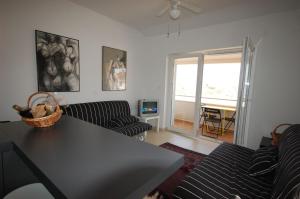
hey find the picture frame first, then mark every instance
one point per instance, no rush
(58, 62)
(114, 69)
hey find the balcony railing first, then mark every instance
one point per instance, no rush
(208, 100)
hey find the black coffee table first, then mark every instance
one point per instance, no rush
(76, 159)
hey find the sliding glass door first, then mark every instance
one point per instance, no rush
(244, 92)
(216, 79)
(220, 82)
(185, 73)
(185, 83)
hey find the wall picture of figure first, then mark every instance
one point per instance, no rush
(114, 68)
(57, 63)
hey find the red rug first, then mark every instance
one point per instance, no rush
(191, 159)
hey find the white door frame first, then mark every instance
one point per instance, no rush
(231, 50)
(245, 88)
(198, 93)
(171, 87)
(171, 96)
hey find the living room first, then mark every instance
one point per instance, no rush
(273, 26)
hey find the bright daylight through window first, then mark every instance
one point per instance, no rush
(186, 82)
(219, 84)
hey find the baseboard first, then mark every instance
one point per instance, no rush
(185, 121)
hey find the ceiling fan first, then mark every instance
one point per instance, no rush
(174, 8)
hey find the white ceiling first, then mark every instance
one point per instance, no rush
(141, 14)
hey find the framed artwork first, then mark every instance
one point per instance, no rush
(57, 60)
(114, 69)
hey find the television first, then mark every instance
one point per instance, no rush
(148, 108)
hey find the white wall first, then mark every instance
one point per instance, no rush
(184, 110)
(18, 74)
(276, 82)
(276, 94)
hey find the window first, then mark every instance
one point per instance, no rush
(220, 83)
(186, 82)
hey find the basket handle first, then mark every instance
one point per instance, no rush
(37, 93)
(280, 125)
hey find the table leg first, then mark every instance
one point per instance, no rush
(223, 122)
(157, 125)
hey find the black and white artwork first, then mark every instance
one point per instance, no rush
(114, 69)
(57, 62)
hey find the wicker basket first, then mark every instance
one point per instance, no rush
(43, 121)
(276, 135)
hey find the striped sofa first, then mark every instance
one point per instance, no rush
(104, 113)
(224, 173)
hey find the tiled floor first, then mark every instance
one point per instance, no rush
(227, 137)
(199, 145)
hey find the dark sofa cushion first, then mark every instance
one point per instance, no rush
(295, 193)
(107, 114)
(133, 129)
(125, 120)
(264, 161)
(122, 121)
(224, 174)
(99, 113)
(287, 179)
(115, 123)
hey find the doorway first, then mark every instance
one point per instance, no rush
(185, 85)
(220, 85)
(209, 93)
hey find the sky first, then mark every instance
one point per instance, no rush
(219, 81)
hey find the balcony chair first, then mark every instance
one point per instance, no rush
(213, 117)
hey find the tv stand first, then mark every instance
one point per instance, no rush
(147, 118)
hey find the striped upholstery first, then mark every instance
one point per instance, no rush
(133, 129)
(101, 113)
(224, 174)
(287, 179)
(264, 161)
(126, 120)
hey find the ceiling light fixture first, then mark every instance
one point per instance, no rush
(174, 8)
(175, 13)
(178, 30)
